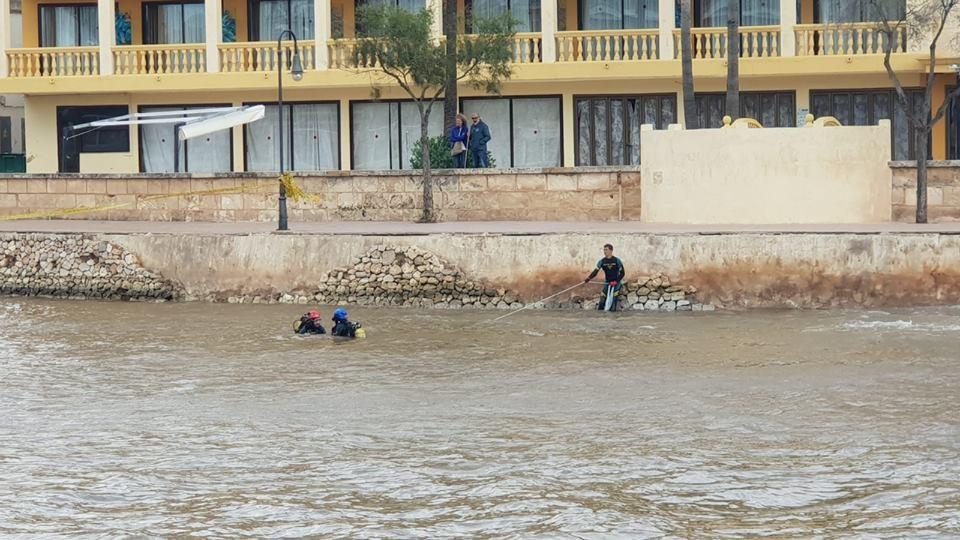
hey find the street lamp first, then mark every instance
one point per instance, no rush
(296, 71)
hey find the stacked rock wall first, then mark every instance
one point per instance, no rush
(410, 276)
(76, 266)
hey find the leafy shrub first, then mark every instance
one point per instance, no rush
(440, 157)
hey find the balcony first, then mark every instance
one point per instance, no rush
(549, 46)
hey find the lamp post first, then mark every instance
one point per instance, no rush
(296, 71)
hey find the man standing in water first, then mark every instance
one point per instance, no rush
(613, 274)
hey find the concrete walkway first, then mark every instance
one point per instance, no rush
(380, 228)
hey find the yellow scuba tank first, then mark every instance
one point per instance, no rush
(296, 325)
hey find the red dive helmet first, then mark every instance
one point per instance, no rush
(313, 314)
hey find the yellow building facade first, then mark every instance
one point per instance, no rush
(586, 75)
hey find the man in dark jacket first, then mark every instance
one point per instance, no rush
(613, 274)
(479, 137)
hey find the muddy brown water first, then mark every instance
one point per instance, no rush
(194, 419)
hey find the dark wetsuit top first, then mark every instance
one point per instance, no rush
(344, 329)
(612, 269)
(310, 326)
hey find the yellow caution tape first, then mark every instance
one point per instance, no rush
(294, 192)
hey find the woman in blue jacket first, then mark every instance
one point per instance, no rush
(459, 134)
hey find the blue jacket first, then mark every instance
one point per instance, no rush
(479, 136)
(458, 134)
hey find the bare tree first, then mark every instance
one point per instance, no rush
(917, 23)
(733, 58)
(691, 120)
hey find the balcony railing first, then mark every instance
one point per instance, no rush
(526, 48)
(258, 56)
(53, 62)
(608, 45)
(343, 52)
(159, 59)
(574, 47)
(711, 43)
(847, 39)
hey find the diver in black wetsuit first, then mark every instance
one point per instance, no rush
(342, 327)
(613, 274)
(309, 323)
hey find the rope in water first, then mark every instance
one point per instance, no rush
(539, 301)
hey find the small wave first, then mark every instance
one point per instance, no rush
(899, 325)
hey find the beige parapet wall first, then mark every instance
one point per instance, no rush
(766, 176)
(587, 194)
(943, 191)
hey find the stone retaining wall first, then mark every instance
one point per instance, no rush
(943, 191)
(664, 271)
(587, 194)
(76, 266)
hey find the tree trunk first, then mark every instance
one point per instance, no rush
(428, 216)
(733, 58)
(691, 120)
(450, 107)
(922, 138)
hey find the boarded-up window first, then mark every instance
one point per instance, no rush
(608, 127)
(867, 108)
(771, 109)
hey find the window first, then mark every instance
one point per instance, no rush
(608, 127)
(89, 141)
(268, 18)
(526, 13)
(68, 25)
(525, 132)
(209, 153)
(771, 109)
(311, 141)
(848, 11)
(383, 133)
(618, 14)
(953, 128)
(713, 13)
(173, 23)
(6, 135)
(866, 108)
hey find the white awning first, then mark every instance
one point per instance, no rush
(195, 122)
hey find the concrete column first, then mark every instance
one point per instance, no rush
(548, 31)
(345, 142)
(668, 21)
(569, 134)
(106, 19)
(436, 10)
(788, 19)
(5, 32)
(213, 26)
(236, 139)
(322, 23)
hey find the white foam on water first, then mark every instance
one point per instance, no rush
(898, 325)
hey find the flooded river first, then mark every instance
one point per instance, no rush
(169, 420)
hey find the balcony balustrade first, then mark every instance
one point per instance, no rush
(608, 45)
(711, 43)
(53, 62)
(259, 56)
(159, 59)
(571, 47)
(847, 39)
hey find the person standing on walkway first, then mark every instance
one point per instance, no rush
(479, 137)
(459, 134)
(613, 274)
